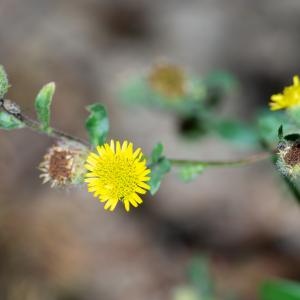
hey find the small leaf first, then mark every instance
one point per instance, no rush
(9, 122)
(280, 290)
(156, 153)
(42, 104)
(280, 132)
(292, 137)
(4, 84)
(158, 171)
(190, 172)
(97, 124)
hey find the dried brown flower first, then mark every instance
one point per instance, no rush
(63, 164)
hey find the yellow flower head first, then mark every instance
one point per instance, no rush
(117, 173)
(289, 98)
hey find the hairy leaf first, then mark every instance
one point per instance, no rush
(97, 124)
(42, 104)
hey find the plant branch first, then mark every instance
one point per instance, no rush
(227, 163)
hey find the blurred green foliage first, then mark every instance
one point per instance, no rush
(194, 109)
(189, 172)
(280, 290)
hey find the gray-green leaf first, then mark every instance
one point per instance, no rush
(158, 171)
(4, 84)
(97, 124)
(9, 122)
(42, 104)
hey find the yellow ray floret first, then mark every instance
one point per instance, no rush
(289, 98)
(117, 173)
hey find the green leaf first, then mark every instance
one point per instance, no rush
(159, 166)
(280, 290)
(9, 122)
(4, 84)
(190, 172)
(42, 104)
(97, 124)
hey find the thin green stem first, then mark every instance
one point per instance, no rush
(52, 132)
(227, 163)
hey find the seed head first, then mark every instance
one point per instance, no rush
(63, 164)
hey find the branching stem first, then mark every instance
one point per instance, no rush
(57, 134)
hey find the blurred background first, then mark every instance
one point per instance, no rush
(62, 245)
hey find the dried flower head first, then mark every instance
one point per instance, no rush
(289, 98)
(117, 173)
(289, 158)
(64, 164)
(169, 80)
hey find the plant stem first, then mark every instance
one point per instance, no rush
(227, 163)
(52, 132)
(36, 126)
